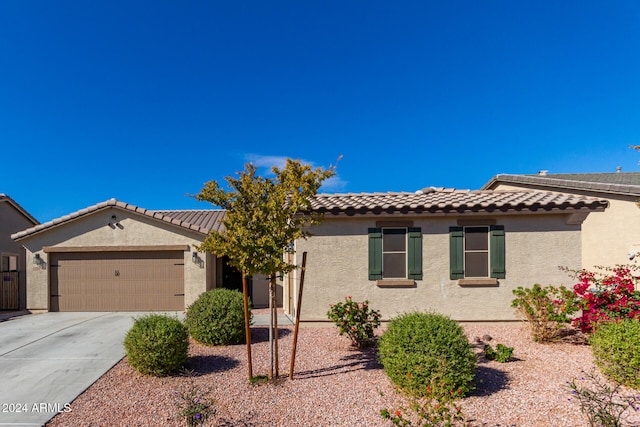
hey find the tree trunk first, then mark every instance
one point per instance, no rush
(273, 329)
(247, 327)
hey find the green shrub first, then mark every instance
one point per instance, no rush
(427, 355)
(217, 317)
(501, 354)
(616, 351)
(356, 320)
(546, 308)
(157, 345)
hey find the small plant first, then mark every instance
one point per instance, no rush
(427, 355)
(259, 379)
(616, 351)
(546, 308)
(430, 411)
(217, 317)
(602, 404)
(356, 320)
(192, 407)
(157, 345)
(501, 354)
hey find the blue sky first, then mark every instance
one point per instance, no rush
(144, 101)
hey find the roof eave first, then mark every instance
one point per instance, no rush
(112, 203)
(542, 210)
(547, 182)
(20, 209)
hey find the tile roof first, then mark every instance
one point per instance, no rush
(621, 178)
(623, 183)
(206, 220)
(5, 198)
(426, 201)
(199, 221)
(451, 201)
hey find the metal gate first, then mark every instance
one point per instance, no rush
(9, 295)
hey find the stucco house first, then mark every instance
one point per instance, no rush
(115, 256)
(608, 238)
(460, 253)
(13, 218)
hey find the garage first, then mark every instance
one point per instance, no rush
(114, 256)
(117, 281)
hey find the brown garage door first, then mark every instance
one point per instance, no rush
(117, 281)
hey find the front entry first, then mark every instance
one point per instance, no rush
(232, 277)
(258, 286)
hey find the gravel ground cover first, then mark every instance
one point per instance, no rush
(336, 385)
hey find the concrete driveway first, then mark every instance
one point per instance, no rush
(47, 360)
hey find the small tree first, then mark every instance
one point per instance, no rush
(264, 217)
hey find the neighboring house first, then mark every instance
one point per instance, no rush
(609, 237)
(13, 218)
(460, 253)
(114, 256)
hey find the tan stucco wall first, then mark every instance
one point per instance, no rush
(609, 236)
(13, 221)
(260, 291)
(93, 230)
(337, 266)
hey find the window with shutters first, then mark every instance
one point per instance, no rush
(477, 252)
(395, 253)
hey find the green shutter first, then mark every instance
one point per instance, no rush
(375, 253)
(414, 253)
(496, 247)
(456, 253)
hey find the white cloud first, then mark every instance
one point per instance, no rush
(335, 184)
(266, 163)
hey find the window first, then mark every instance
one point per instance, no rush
(395, 253)
(9, 263)
(477, 251)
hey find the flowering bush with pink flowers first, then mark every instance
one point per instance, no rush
(356, 320)
(609, 295)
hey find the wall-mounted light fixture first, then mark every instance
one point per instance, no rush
(114, 223)
(196, 259)
(38, 261)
